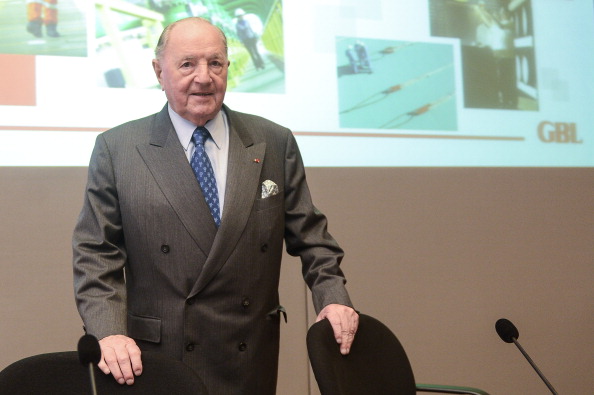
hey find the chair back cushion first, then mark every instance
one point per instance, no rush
(62, 373)
(376, 365)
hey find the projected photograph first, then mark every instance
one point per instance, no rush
(395, 84)
(43, 27)
(498, 62)
(127, 32)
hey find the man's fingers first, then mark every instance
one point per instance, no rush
(135, 359)
(103, 366)
(123, 360)
(344, 321)
(346, 340)
(113, 366)
(120, 357)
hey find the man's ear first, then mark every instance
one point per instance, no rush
(158, 70)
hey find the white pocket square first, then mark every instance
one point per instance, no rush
(269, 188)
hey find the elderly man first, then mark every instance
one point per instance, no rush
(179, 241)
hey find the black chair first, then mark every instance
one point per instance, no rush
(62, 373)
(376, 365)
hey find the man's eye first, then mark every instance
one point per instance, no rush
(186, 64)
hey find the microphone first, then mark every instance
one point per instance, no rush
(509, 334)
(89, 354)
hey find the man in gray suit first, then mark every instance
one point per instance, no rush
(153, 270)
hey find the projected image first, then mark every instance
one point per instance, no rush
(497, 40)
(395, 85)
(127, 33)
(43, 27)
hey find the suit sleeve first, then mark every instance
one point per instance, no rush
(306, 236)
(99, 255)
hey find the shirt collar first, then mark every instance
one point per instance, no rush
(185, 129)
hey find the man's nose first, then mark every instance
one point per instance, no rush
(202, 74)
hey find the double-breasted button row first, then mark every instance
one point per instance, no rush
(165, 249)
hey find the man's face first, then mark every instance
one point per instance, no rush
(192, 70)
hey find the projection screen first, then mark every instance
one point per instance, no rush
(360, 83)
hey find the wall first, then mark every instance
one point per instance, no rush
(437, 254)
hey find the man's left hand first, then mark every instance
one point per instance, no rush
(344, 321)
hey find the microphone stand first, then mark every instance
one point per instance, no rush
(92, 375)
(534, 366)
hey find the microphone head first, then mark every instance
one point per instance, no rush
(506, 330)
(89, 350)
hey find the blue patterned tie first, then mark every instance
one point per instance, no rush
(203, 170)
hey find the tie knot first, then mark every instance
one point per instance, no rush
(200, 135)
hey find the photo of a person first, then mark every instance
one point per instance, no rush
(44, 27)
(492, 46)
(248, 38)
(42, 13)
(254, 31)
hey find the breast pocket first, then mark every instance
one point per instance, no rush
(270, 214)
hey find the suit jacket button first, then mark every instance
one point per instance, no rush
(190, 301)
(242, 346)
(245, 302)
(190, 347)
(165, 249)
(264, 247)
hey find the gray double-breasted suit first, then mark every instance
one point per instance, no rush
(149, 262)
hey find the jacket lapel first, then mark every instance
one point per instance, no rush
(243, 175)
(165, 159)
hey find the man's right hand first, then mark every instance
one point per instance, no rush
(120, 356)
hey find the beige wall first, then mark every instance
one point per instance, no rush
(437, 254)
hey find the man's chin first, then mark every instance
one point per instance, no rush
(201, 114)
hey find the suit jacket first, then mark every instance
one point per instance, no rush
(150, 263)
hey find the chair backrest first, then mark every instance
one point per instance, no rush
(62, 373)
(377, 363)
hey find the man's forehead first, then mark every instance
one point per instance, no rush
(194, 52)
(196, 37)
(196, 29)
